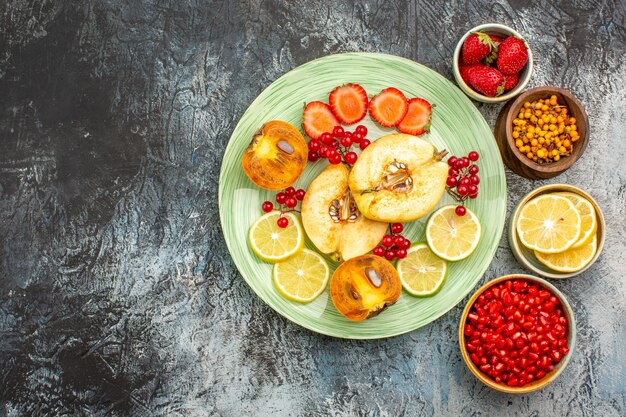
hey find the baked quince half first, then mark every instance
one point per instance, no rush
(398, 178)
(332, 220)
(364, 286)
(276, 156)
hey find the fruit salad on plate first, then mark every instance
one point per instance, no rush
(355, 210)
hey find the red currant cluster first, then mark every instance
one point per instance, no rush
(336, 146)
(288, 198)
(394, 245)
(463, 179)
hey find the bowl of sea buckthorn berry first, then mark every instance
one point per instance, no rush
(517, 333)
(542, 132)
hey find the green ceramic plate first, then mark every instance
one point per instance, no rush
(456, 125)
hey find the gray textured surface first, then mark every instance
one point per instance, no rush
(117, 294)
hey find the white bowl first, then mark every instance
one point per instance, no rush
(502, 31)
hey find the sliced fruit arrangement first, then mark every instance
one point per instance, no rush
(561, 230)
(274, 243)
(364, 286)
(452, 237)
(358, 203)
(276, 156)
(332, 220)
(302, 277)
(398, 178)
(348, 103)
(422, 273)
(492, 65)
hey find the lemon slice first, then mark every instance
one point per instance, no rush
(422, 273)
(272, 243)
(588, 221)
(453, 237)
(572, 260)
(303, 277)
(549, 224)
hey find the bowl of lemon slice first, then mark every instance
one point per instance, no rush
(557, 231)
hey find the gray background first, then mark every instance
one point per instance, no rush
(117, 293)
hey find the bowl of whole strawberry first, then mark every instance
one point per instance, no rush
(492, 63)
(517, 333)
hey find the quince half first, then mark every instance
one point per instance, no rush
(332, 220)
(398, 178)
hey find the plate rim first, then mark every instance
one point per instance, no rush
(307, 325)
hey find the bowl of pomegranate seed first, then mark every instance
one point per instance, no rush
(517, 333)
(492, 63)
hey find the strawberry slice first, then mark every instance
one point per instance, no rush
(417, 119)
(317, 119)
(389, 107)
(348, 103)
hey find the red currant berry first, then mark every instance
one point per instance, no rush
(361, 130)
(335, 143)
(323, 152)
(331, 152)
(313, 156)
(291, 202)
(401, 253)
(334, 158)
(300, 194)
(346, 140)
(473, 169)
(290, 191)
(379, 251)
(390, 254)
(473, 196)
(326, 138)
(474, 179)
(281, 197)
(267, 206)
(351, 157)
(282, 222)
(452, 161)
(387, 240)
(406, 244)
(397, 228)
(473, 156)
(451, 182)
(314, 145)
(472, 189)
(458, 164)
(462, 190)
(364, 144)
(460, 211)
(338, 132)
(466, 161)
(357, 137)
(464, 181)
(453, 172)
(398, 241)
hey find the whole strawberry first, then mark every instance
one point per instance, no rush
(476, 46)
(465, 71)
(512, 56)
(510, 81)
(487, 80)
